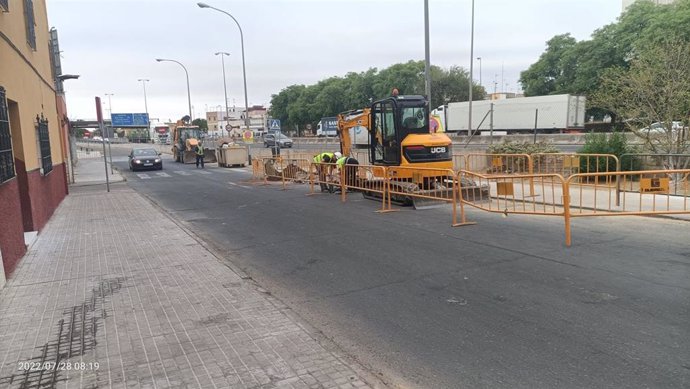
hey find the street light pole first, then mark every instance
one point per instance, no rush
(427, 57)
(469, 126)
(244, 69)
(110, 113)
(225, 87)
(189, 96)
(146, 107)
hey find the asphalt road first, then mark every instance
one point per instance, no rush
(502, 304)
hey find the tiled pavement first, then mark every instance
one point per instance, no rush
(121, 296)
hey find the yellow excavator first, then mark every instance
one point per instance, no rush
(397, 134)
(185, 138)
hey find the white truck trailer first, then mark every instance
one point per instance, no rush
(553, 114)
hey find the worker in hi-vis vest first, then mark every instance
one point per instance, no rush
(199, 155)
(348, 163)
(322, 171)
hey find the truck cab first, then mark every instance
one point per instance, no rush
(327, 126)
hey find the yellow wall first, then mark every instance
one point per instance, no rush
(33, 90)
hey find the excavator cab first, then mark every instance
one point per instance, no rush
(393, 121)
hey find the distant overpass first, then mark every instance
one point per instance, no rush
(87, 123)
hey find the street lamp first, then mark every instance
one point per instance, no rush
(146, 106)
(244, 69)
(225, 87)
(189, 96)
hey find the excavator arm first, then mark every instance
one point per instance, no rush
(351, 119)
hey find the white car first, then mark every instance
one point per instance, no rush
(660, 128)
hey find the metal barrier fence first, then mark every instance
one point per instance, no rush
(567, 164)
(368, 179)
(515, 193)
(498, 163)
(285, 170)
(648, 161)
(548, 194)
(421, 186)
(323, 177)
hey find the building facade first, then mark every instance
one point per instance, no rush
(33, 143)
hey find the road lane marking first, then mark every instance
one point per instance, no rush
(241, 186)
(181, 172)
(143, 176)
(163, 174)
(204, 172)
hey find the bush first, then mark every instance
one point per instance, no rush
(521, 148)
(615, 143)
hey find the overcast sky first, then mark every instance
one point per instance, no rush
(112, 43)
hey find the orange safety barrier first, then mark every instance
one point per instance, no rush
(296, 170)
(498, 163)
(514, 193)
(421, 187)
(530, 194)
(323, 176)
(642, 193)
(567, 164)
(459, 162)
(368, 179)
(257, 169)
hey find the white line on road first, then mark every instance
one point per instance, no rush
(143, 176)
(241, 186)
(163, 174)
(204, 172)
(181, 172)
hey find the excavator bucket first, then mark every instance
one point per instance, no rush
(210, 156)
(189, 157)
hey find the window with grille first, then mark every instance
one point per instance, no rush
(5, 5)
(44, 144)
(30, 23)
(6, 156)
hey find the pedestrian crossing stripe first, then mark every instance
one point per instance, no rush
(143, 176)
(181, 172)
(163, 174)
(204, 172)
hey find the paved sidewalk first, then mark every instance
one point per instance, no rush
(91, 170)
(118, 295)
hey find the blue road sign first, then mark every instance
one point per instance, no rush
(274, 124)
(130, 119)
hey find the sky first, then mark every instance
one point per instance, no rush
(112, 44)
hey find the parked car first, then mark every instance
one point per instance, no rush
(283, 141)
(660, 128)
(145, 158)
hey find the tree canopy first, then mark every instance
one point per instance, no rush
(569, 66)
(301, 105)
(202, 123)
(653, 91)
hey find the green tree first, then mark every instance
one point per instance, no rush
(550, 73)
(301, 105)
(568, 66)
(202, 123)
(654, 90)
